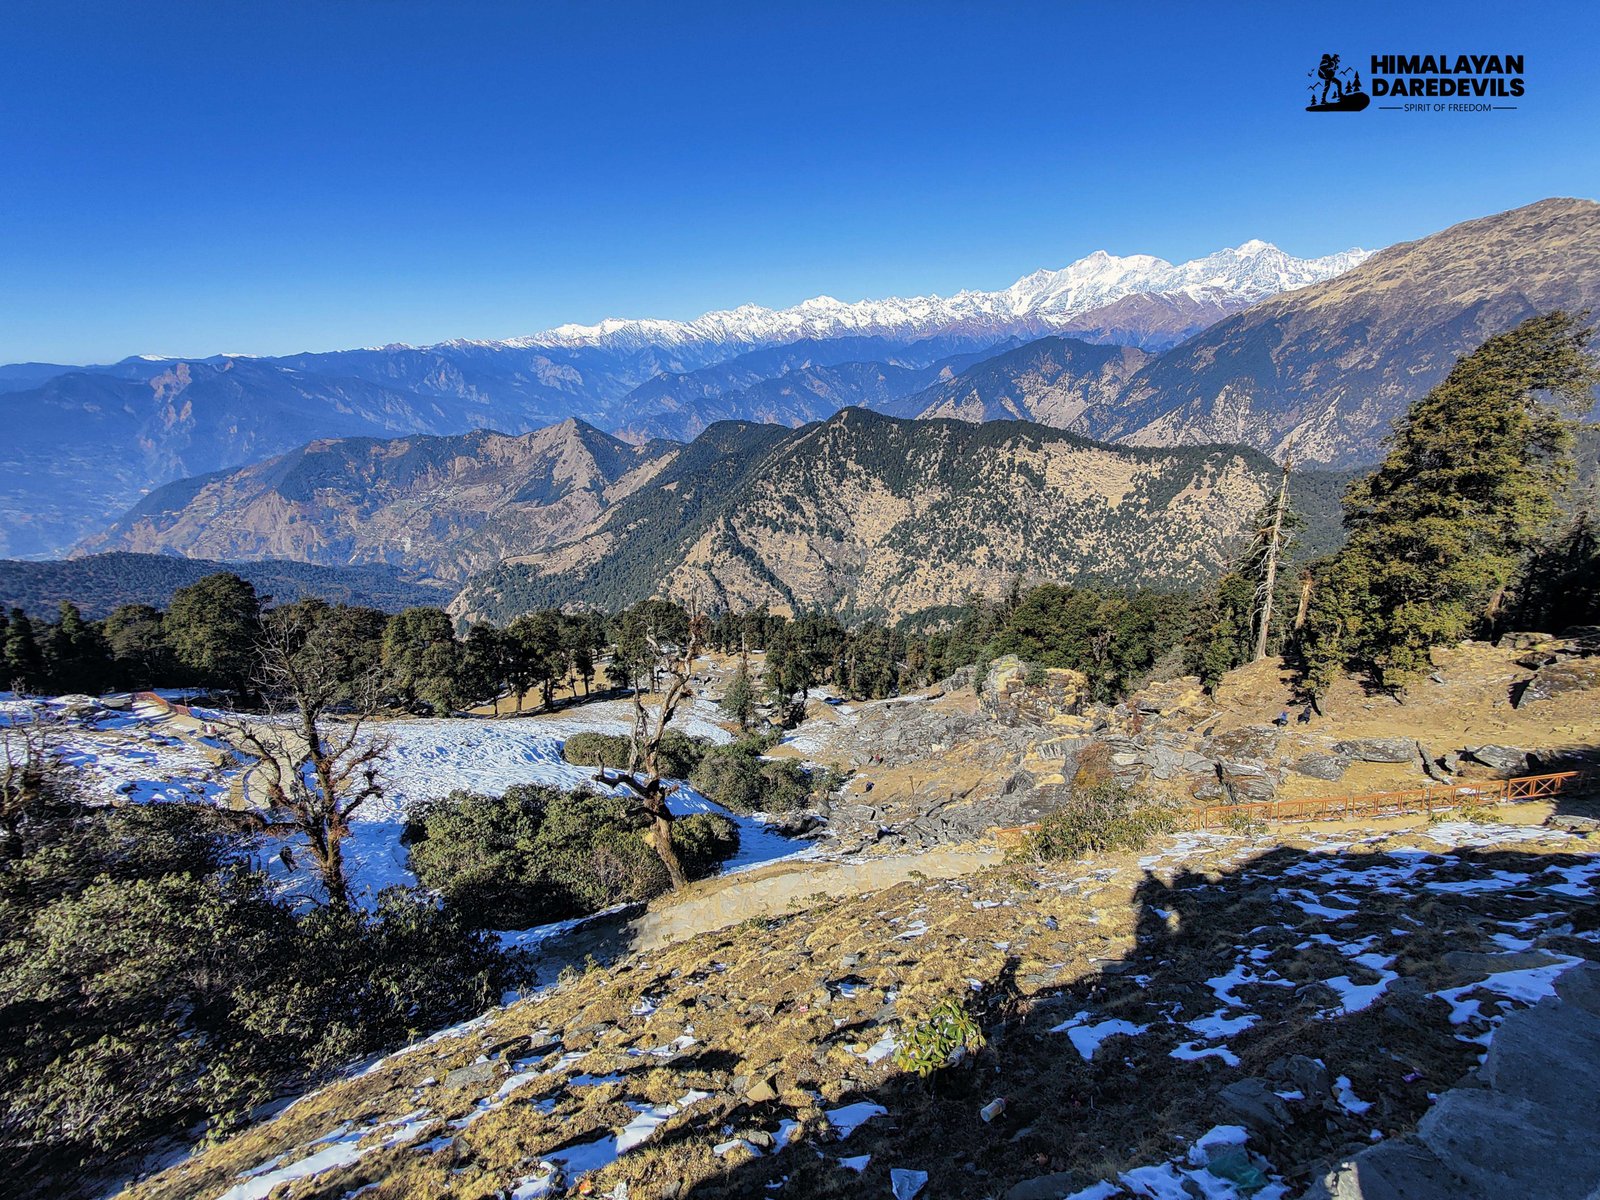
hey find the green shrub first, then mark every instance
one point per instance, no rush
(737, 777)
(946, 1035)
(679, 753)
(150, 983)
(1103, 817)
(538, 854)
(597, 750)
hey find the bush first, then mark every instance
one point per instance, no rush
(679, 753)
(737, 777)
(1102, 817)
(943, 1038)
(598, 750)
(537, 854)
(150, 983)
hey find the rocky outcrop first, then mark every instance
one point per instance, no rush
(1015, 693)
(1561, 679)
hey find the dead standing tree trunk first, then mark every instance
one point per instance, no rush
(1272, 550)
(643, 776)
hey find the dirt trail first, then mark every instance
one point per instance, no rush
(784, 887)
(777, 890)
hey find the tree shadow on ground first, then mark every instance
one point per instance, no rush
(1334, 956)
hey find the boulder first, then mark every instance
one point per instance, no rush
(1247, 741)
(1306, 1075)
(473, 1073)
(1560, 679)
(1501, 758)
(1378, 749)
(1522, 640)
(1322, 766)
(1170, 697)
(762, 1090)
(1573, 824)
(1245, 781)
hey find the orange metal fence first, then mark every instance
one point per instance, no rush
(1433, 798)
(1428, 800)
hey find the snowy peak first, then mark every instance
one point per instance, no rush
(1042, 302)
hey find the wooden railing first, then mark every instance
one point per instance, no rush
(1425, 800)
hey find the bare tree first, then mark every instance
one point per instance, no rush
(317, 773)
(643, 774)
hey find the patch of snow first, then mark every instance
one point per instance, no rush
(340, 1149)
(851, 1117)
(1192, 1051)
(1088, 1038)
(1347, 1098)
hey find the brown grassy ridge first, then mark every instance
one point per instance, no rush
(796, 1000)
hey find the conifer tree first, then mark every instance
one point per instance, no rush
(1468, 488)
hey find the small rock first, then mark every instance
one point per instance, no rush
(1254, 1103)
(479, 1072)
(762, 1091)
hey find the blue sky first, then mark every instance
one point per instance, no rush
(188, 178)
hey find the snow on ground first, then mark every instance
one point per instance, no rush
(1331, 885)
(1219, 1166)
(124, 753)
(131, 753)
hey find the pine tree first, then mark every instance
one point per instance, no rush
(739, 699)
(1468, 488)
(24, 664)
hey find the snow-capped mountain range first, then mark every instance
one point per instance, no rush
(1043, 302)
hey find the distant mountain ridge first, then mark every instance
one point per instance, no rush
(444, 506)
(1323, 369)
(869, 514)
(1044, 302)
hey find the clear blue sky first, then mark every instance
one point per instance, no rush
(231, 175)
